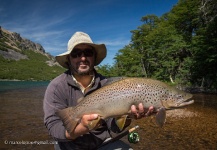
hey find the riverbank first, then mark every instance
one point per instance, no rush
(11, 80)
(22, 80)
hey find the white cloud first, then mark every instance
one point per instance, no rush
(49, 35)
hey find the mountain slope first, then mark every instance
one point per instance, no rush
(23, 59)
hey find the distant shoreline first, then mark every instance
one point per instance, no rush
(11, 80)
(10, 85)
(23, 80)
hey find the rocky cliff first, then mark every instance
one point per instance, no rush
(22, 59)
(14, 42)
(12, 46)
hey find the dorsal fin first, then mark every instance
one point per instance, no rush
(113, 79)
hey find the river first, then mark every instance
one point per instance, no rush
(21, 125)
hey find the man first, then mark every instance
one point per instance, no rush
(78, 81)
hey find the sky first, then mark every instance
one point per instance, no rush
(51, 23)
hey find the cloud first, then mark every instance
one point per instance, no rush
(49, 35)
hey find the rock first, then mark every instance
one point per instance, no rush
(11, 54)
(15, 37)
(13, 43)
(52, 63)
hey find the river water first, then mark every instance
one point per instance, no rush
(21, 122)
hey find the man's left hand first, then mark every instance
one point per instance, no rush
(140, 112)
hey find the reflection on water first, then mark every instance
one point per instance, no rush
(193, 127)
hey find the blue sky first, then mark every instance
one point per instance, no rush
(52, 22)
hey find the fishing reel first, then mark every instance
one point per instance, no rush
(133, 137)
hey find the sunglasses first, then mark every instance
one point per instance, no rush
(88, 52)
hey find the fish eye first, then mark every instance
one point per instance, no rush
(179, 96)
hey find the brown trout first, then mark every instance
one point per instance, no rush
(115, 100)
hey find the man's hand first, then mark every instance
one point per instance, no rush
(86, 120)
(139, 111)
(83, 126)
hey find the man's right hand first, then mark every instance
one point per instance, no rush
(86, 120)
(83, 126)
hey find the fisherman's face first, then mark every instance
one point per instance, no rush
(82, 59)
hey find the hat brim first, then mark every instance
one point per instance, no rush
(100, 49)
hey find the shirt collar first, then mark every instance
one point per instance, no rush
(80, 85)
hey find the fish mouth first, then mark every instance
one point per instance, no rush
(184, 103)
(172, 104)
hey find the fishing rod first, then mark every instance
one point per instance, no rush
(132, 138)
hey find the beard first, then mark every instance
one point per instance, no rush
(84, 73)
(82, 68)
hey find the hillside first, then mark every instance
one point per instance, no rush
(22, 59)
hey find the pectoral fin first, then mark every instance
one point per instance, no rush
(93, 123)
(120, 121)
(161, 117)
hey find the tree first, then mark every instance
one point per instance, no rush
(180, 46)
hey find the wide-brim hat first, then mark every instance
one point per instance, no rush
(82, 38)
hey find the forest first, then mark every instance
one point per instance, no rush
(179, 47)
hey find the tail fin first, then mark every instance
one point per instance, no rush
(66, 117)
